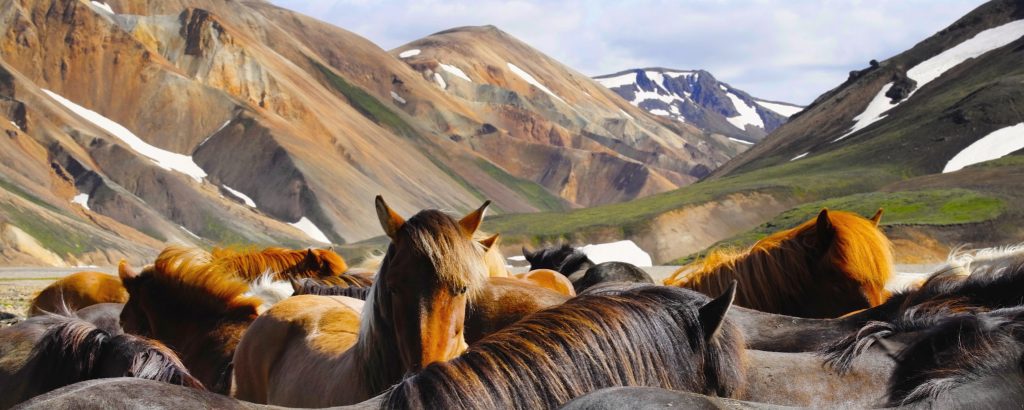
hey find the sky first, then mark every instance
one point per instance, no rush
(783, 50)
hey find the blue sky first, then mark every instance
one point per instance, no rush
(788, 50)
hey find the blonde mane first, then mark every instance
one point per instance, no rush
(250, 263)
(188, 275)
(776, 274)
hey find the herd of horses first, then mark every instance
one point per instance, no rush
(802, 318)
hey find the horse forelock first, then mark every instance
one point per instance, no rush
(648, 336)
(457, 260)
(187, 280)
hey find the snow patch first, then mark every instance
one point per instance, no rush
(621, 251)
(189, 232)
(741, 141)
(995, 145)
(619, 81)
(932, 68)
(799, 156)
(238, 194)
(517, 258)
(103, 6)
(747, 114)
(455, 71)
(307, 227)
(164, 159)
(81, 199)
(16, 126)
(214, 133)
(658, 111)
(529, 78)
(625, 113)
(781, 109)
(409, 53)
(440, 81)
(397, 97)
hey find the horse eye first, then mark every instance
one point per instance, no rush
(462, 290)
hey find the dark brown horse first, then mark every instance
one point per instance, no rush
(49, 351)
(195, 307)
(828, 266)
(650, 336)
(414, 315)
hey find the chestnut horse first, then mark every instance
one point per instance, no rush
(196, 308)
(76, 291)
(834, 264)
(250, 264)
(414, 314)
(544, 278)
(48, 351)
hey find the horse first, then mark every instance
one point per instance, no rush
(249, 264)
(195, 307)
(49, 351)
(548, 279)
(493, 258)
(587, 343)
(608, 272)
(828, 266)
(502, 302)
(566, 259)
(76, 291)
(414, 315)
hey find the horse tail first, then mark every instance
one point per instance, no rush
(148, 359)
(67, 353)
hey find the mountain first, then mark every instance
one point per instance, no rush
(934, 135)
(136, 123)
(696, 97)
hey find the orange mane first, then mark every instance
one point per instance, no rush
(775, 274)
(249, 264)
(187, 274)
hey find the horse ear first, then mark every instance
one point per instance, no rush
(310, 256)
(527, 254)
(878, 217)
(295, 285)
(389, 220)
(824, 229)
(471, 222)
(491, 242)
(712, 315)
(125, 272)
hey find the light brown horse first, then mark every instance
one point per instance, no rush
(828, 266)
(194, 307)
(414, 315)
(76, 291)
(548, 279)
(250, 264)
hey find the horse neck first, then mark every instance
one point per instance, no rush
(780, 333)
(376, 351)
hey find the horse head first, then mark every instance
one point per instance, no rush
(431, 270)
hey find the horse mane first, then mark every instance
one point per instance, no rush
(774, 273)
(185, 275)
(649, 336)
(565, 259)
(309, 286)
(250, 263)
(73, 350)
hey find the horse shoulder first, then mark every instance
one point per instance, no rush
(549, 279)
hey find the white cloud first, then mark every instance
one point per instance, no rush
(789, 50)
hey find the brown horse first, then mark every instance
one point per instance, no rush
(76, 291)
(828, 266)
(548, 279)
(414, 316)
(196, 308)
(250, 264)
(49, 351)
(650, 336)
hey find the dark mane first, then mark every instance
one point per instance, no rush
(309, 286)
(73, 350)
(565, 259)
(648, 336)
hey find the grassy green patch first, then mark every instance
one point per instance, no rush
(536, 194)
(52, 236)
(367, 104)
(926, 207)
(31, 198)
(221, 234)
